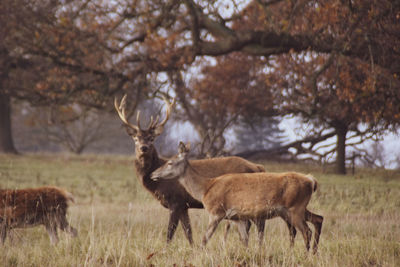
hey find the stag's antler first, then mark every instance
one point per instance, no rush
(121, 109)
(167, 114)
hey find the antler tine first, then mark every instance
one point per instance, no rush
(168, 110)
(151, 122)
(138, 118)
(121, 112)
(156, 121)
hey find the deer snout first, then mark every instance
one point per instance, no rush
(144, 149)
(155, 177)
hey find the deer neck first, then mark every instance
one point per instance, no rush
(196, 184)
(145, 165)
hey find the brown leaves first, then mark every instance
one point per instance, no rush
(235, 83)
(349, 91)
(150, 255)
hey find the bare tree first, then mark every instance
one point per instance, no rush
(74, 127)
(375, 156)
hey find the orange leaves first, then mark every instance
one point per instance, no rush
(235, 83)
(64, 20)
(349, 90)
(41, 86)
(150, 255)
(166, 51)
(55, 83)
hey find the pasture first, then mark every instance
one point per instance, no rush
(120, 224)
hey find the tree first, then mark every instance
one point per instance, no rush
(260, 134)
(56, 52)
(73, 126)
(90, 51)
(366, 32)
(214, 99)
(338, 96)
(312, 29)
(6, 140)
(177, 32)
(375, 158)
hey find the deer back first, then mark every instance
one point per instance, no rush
(214, 167)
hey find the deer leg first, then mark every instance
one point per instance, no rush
(243, 233)
(248, 226)
(3, 233)
(227, 228)
(51, 229)
(306, 231)
(299, 222)
(316, 220)
(260, 224)
(212, 225)
(292, 230)
(64, 225)
(292, 233)
(185, 220)
(174, 216)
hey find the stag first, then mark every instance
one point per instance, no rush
(246, 196)
(171, 194)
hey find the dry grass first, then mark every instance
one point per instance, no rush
(120, 224)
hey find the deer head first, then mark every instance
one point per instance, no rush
(174, 167)
(143, 138)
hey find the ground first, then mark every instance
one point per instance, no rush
(120, 224)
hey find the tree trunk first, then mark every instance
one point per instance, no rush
(6, 140)
(341, 133)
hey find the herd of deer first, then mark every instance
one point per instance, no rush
(230, 188)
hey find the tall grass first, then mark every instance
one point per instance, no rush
(120, 224)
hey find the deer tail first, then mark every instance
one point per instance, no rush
(260, 168)
(69, 196)
(314, 183)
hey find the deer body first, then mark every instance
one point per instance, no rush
(247, 196)
(170, 193)
(252, 196)
(35, 206)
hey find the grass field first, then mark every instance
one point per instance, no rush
(120, 224)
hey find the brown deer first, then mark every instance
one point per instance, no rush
(171, 194)
(20, 208)
(247, 196)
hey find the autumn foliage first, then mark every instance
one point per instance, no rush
(334, 63)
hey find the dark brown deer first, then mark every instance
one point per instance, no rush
(20, 208)
(171, 194)
(246, 196)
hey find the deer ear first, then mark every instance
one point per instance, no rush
(181, 148)
(188, 147)
(131, 131)
(158, 130)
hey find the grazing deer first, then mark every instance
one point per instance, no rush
(171, 194)
(35, 206)
(246, 196)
